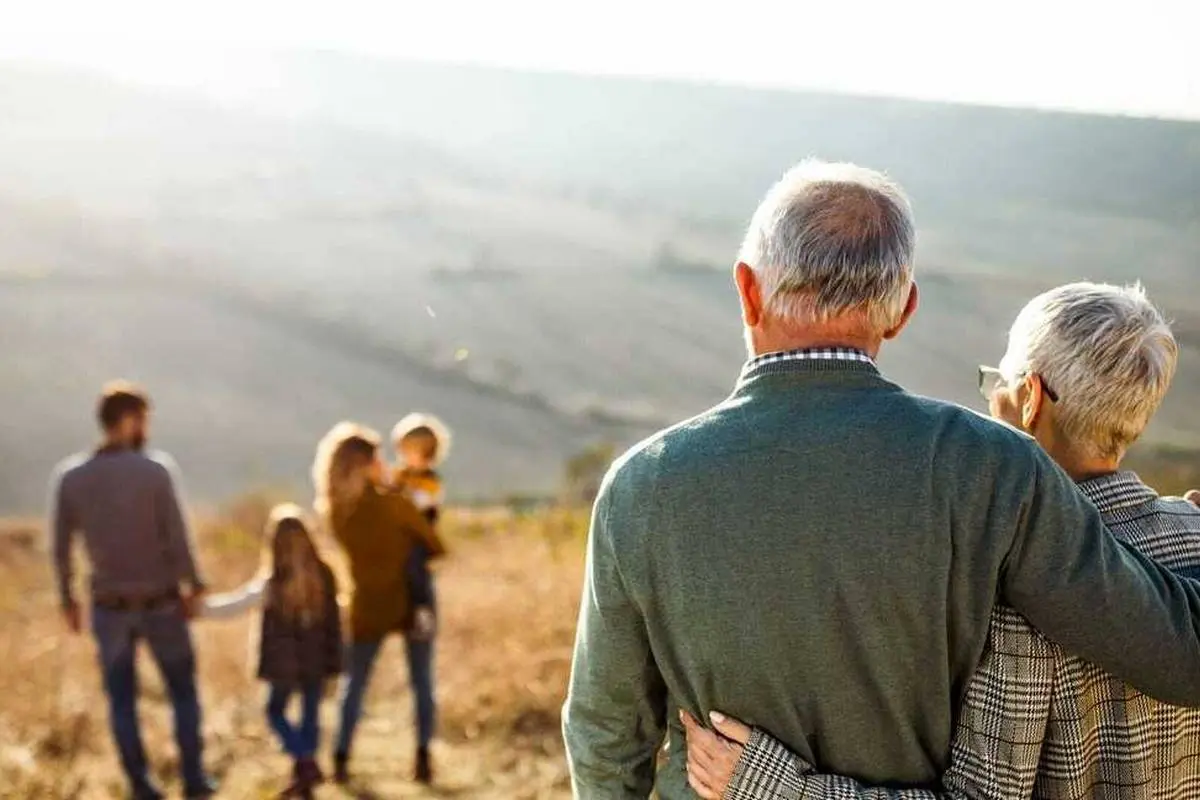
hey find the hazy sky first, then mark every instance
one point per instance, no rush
(1138, 57)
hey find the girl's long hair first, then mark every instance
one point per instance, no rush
(341, 468)
(296, 587)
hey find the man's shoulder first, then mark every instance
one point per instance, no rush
(145, 466)
(160, 459)
(154, 465)
(1186, 510)
(956, 425)
(670, 442)
(71, 465)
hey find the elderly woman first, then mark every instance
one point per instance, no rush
(377, 530)
(1086, 368)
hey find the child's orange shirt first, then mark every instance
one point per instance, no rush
(423, 487)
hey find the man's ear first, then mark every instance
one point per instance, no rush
(910, 308)
(749, 293)
(1032, 401)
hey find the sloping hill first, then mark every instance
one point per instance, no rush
(542, 259)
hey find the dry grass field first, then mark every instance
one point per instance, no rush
(509, 595)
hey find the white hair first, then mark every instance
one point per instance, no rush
(418, 420)
(1107, 353)
(833, 238)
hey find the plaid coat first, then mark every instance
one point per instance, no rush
(295, 655)
(1038, 722)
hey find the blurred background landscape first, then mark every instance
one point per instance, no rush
(544, 259)
(278, 236)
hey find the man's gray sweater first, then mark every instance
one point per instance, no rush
(124, 505)
(819, 556)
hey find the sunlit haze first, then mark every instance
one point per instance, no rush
(1121, 57)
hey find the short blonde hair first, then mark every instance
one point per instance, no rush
(419, 421)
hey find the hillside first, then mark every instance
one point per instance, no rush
(542, 259)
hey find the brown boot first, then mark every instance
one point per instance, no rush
(294, 788)
(341, 768)
(308, 773)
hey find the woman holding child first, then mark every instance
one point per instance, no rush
(384, 527)
(379, 529)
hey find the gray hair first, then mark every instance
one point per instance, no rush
(1107, 353)
(833, 238)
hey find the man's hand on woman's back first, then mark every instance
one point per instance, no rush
(1193, 496)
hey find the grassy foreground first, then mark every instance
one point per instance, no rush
(509, 594)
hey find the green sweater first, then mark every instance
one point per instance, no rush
(819, 556)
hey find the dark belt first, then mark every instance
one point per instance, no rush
(116, 602)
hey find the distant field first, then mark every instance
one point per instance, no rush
(508, 594)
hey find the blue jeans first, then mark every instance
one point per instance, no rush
(420, 581)
(360, 660)
(299, 741)
(165, 630)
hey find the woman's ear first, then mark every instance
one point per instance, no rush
(1032, 400)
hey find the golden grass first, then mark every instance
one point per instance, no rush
(508, 592)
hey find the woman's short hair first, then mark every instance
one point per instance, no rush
(1107, 353)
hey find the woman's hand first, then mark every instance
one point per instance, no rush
(1193, 496)
(712, 757)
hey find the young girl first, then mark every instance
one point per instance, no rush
(300, 644)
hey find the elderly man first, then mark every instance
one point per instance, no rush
(1086, 368)
(820, 554)
(144, 580)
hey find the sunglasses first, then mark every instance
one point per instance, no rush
(991, 379)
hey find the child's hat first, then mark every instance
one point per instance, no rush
(286, 511)
(417, 420)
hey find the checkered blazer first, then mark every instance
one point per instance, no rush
(1037, 722)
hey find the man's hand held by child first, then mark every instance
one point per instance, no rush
(192, 602)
